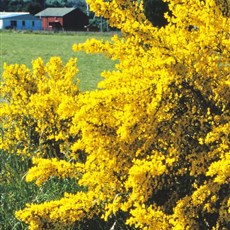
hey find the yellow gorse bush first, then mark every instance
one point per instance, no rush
(154, 136)
(31, 106)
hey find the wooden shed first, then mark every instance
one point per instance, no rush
(68, 19)
(19, 21)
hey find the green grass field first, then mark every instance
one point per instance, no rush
(22, 48)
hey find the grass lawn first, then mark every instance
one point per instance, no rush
(22, 48)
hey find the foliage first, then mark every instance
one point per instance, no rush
(21, 5)
(29, 112)
(35, 6)
(151, 145)
(155, 10)
(67, 3)
(39, 91)
(98, 24)
(11, 174)
(15, 191)
(224, 6)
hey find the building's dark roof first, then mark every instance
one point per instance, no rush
(55, 12)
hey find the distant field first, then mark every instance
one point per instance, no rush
(22, 48)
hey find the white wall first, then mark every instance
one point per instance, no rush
(1, 24)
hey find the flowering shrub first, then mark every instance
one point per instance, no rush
(154, 136)
(31, 104)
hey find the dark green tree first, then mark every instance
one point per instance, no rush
(34, 7)
(4, 5)
(155, 10)
(81, 4)
(15, 5)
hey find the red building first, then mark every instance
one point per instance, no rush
(68, 19)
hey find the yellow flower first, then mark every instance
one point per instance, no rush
(152, 141)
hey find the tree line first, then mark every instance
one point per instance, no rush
(36, 6)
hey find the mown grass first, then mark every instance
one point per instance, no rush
(22, 48)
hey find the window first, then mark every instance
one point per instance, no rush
(23, 23)
(33, 23)
(13, 23)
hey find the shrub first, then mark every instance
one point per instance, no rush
(154, 138)
(31, 101)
